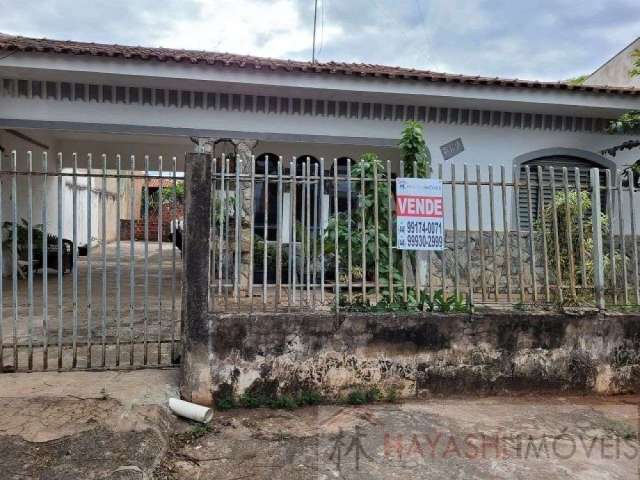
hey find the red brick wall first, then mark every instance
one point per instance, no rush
(167, 215)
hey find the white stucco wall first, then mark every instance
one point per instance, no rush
(615, 72)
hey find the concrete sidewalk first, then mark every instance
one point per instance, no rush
(115, 425)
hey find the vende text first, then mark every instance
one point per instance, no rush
(419, 206)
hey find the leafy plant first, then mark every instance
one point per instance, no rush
(22, 236)
(414, 150)
(309, 397)
(579, 80)
(364, 214)
(285, 402)
(414, 303)
(374, 201)
(362, 397)
(570, 253)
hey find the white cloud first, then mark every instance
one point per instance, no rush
(243, 26)
(546, 39)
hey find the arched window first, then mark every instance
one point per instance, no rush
(343, 187)
(266, 162)
(540, 190)
(307, 164)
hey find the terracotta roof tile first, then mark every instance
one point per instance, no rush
(26, 44)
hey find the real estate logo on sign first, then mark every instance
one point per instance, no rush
(420, 214)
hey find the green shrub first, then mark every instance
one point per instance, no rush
(309, 397)
(569, 252)
(392, 395)
(362, 397)
(285, 402)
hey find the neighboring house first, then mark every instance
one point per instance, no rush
(615, 72)
(86, 97)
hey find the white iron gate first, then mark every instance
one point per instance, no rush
(91, 261)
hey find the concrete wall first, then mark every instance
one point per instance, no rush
(616, 71)
(422, 354)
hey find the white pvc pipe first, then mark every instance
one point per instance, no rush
(190, 410)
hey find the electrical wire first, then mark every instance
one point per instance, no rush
(8, 54)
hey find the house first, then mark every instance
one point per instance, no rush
(109, 99)
(123, 117)
(615, 71)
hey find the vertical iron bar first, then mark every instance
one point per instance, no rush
(418, 254)
(74, 362)
(308, 228)
(221, 198)
(543, 227)
(61, 266)
(238, 224)
(556, 239)
(376, 227)
(227, 231)
(598, 260)
(160, 259)
(532, 246)
(336, 243)
(88, 283)
(623, 250)
(118, 258)
(265, 233)
(612, 251)
(493, 234)
(456, 274)
(322, 220)
(316, 232)
(507, 232)
(174, 215)
(468, 235)
(389, 231)
(569, 233)
(45, 262)
(30, 258)
(404, 253)
(279, 212)
(293, 172)
(103, 204)
(516, 196)
(583, 268)
(363, 231)
(145, 290)
(132, 252)
(349, 234)
(483, 286)
(634, 248)
(291, 248)
(443, 269)
(252, 226)
(14, 256)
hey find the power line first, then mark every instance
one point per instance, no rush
(315, 21)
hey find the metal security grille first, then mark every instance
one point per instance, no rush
(577, 171)
(305, 234)
(91, 262)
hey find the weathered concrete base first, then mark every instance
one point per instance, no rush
(422, 354)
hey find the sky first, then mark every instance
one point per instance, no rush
(540, 39)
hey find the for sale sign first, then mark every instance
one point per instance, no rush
(420, 214)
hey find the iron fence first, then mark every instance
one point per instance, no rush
(77, 289)
(307, 234)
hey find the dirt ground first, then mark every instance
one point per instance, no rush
(116, 426)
